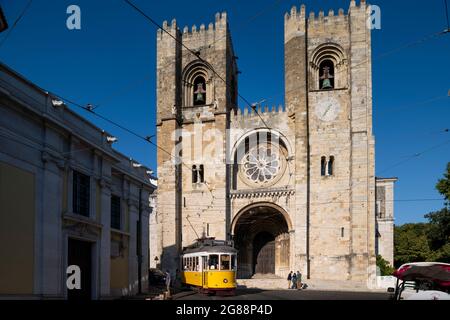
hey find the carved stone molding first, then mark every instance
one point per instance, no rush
(274, 193)
(48, 157)
(105, 183)
(84, 227)
(133, 203)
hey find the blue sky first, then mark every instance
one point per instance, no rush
(111, 62)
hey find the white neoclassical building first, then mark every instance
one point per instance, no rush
(66, 198)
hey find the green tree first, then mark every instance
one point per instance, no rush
(443, 185)
(385, 267)
(411, 243)
(439, 228)
(430, 241)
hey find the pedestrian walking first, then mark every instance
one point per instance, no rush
(299, 280)
(168, 281)
(289, 279)
(294, 281)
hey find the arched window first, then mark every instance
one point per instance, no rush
(198, 84)
(323, 166)
(331, 166)
(199, 94)
(326, 75)
(194, 174)
(328, 67)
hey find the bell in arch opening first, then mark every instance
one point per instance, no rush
(199, 91)
(326, 75)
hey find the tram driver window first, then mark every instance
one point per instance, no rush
(233, 262)
(214, 262)
(224, 262)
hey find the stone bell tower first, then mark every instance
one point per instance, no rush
(329, 97)
(196, 91)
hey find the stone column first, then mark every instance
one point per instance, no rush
(105, 241)
(145, 241)
(132, 254)
(51, 245)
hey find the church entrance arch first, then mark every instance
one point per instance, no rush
(261, 235)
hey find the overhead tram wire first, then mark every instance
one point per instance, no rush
(253, 106)
(273, 5)
(148, 139)
(129, 86)
(419, 41)
(195, 54)
(138, 82)
(144, 138)
(16, 22)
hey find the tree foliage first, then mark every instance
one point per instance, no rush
(443, 185)
(411, 243)
(439, 228)
(384, 266)
(417, 242)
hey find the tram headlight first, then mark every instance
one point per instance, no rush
(225, 281)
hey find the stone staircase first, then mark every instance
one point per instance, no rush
(272, 282)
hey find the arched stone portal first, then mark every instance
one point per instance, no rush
(261, 235)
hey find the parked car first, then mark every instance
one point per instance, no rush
(156, 277)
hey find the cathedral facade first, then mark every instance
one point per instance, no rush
(293, 186)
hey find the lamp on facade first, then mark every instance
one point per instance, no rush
(57, 103)
(111, 139)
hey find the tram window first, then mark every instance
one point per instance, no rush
(214, 262)
(224, 262)
(190, 264)
(197, 267)
(233, 262)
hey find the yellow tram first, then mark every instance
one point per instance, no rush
(210, 266)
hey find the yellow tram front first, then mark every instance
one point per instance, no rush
(210, 267)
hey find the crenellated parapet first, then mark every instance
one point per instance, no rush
(199, 35)
(250, 117)
(172, 29)
(295, 23)
(296, 20)
(328, 21)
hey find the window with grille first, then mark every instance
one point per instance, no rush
(81, 193)
(115, 212)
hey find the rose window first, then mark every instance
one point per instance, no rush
(261, 165)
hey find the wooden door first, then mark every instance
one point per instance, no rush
(264, 253)
(80, 254)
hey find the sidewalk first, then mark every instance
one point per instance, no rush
(322, 285)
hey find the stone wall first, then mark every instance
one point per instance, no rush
(331, 217)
